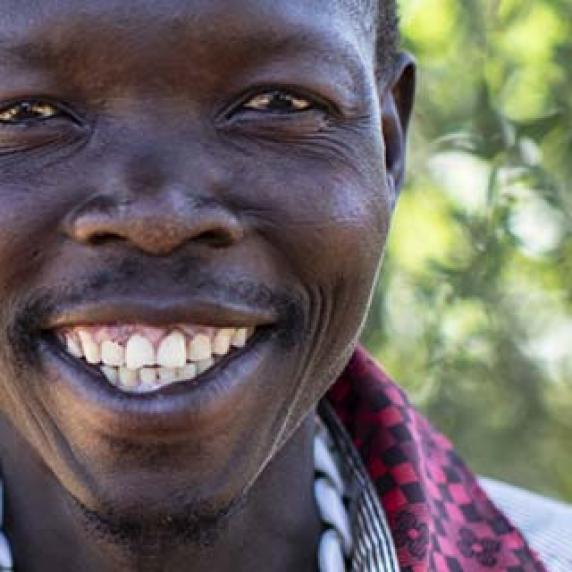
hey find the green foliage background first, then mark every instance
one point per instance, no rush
(473, 313)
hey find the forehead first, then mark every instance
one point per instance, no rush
(54, 24)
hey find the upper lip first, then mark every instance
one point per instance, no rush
(157, 312)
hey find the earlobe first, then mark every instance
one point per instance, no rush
(398, 95)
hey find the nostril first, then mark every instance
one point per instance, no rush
(94, 229)
(217, 238)
(99, 239)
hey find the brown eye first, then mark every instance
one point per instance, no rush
(278, 102)
(26, 111)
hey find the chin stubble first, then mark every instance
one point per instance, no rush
(141, 535)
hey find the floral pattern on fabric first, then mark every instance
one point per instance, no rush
(484, 550)
(411, 533)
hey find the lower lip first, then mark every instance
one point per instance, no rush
(172, 408)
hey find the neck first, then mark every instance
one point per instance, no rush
(275, 528)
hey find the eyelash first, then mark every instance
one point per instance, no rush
(9, 113)
(299, 103)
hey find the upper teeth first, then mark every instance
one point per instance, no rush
(141, 359)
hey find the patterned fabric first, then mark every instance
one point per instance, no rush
(440, 518)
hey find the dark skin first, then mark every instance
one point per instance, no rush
(143, 179)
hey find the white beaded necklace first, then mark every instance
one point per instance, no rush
(336, 541)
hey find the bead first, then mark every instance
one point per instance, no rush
(333, 512)
(5, 553)
(330, 557)
(325, 463)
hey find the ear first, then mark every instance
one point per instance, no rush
(398, 95)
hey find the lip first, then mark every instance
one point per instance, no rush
(172, 410)
(158, 313)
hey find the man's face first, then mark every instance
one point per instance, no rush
(182, 164)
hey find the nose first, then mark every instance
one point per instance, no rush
(157, 216)
(156, 229)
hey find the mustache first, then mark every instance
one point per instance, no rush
(29, 315)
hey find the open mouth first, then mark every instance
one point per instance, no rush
(137, 358)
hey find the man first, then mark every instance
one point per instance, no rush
(195, 196)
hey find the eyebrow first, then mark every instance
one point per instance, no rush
(323, 50)
(41, 51)
(34, 54)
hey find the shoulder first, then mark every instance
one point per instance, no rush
(546, 523)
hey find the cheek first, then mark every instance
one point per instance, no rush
(327, 218)
(329, 226)
(17, 247)
(29, 220)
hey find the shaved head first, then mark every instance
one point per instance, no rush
(381, 19)
(387, 31)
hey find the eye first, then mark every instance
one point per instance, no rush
(278, 102)
(27, 111)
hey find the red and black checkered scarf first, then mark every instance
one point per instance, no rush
(440, 518)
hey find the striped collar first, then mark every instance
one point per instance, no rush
(374, 550)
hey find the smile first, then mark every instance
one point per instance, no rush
(138, 358)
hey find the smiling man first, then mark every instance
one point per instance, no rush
(195, 197)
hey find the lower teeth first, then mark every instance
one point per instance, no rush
(148, 379)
